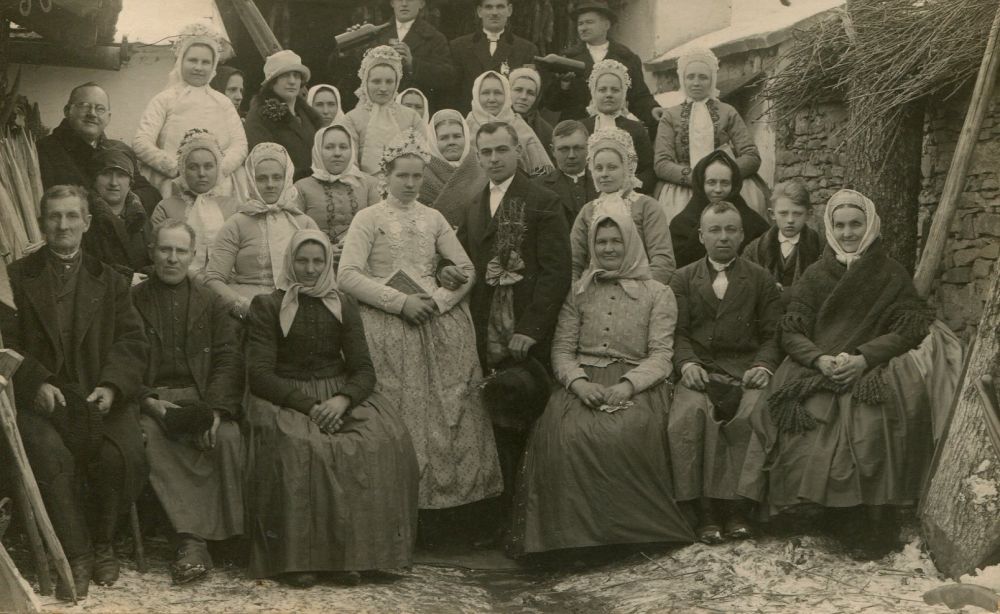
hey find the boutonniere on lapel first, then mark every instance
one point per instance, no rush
(503, 269)
(505, 68)
(275, 111)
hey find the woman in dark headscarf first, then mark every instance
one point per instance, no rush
(229, 81)
(716, 178)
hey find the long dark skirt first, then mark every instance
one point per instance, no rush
(590, 478)
(318, 502)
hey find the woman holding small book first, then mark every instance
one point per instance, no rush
(421, 337)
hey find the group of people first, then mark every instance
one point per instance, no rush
(334, 331)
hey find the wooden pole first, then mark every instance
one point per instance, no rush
(34, 538)
(954, 183)
(8, 421)
(958, 517)
(256, 25)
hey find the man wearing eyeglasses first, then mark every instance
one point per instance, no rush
(65, 156)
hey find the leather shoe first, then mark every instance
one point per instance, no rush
(82, 568)
(106, 565)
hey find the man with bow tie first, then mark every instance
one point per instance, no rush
(570, 180)
(493, 47)
(725, 352)
(84, 349)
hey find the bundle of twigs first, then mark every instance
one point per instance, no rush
(881, 55)
(20, 192)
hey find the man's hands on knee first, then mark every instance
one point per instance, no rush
(694, 376)
(48, 398)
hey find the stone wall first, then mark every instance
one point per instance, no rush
(809, 148)
(974, 240)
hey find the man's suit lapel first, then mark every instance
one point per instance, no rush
(90, 291)
(40, 290)
(479, 219)
(703, 281)
(481, 49)
(736, 291)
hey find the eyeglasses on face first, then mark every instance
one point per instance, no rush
(98, 109)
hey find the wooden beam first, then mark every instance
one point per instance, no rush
(261, 34)
(103, 57)
(937, 237)
(15, 593)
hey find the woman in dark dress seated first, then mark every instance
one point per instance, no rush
(332, 475)
(596, 469)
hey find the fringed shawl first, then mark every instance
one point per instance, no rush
(840, 309)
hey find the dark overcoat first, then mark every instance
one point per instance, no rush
(547, 263)
(212, 346)
(572, 103)
(471, 56)
(571, 198)
(731, 335)
(109, 346)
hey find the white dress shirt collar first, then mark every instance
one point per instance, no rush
(402, 29)
(598, 52)
(497, 192)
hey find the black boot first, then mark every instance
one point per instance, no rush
(82, 567)
(106, 565)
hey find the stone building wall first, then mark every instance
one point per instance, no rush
(809, 148)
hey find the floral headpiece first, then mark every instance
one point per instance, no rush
(408, 143)
(609, 67)
(198, 138)
(383, 55)
(617, 140)
(201, 34)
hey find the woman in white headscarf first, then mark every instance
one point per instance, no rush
(609, 83)
(194, 198)
(847, 421)
(695, 128)
(415, 99)
(190, 102)
(248, 252)
(492, 102)
(332, 475)
(325, 100)
(611, 159)
(337, 189)
(526, 98)
(378, 118)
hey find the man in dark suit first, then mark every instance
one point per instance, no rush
(570, 93)
(570, 179)
(725, 351)
(195, 451)
(84, 347)
(493, 47)
(65, 156)
(426, 57)
(543, 272)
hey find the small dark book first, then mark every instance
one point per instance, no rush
(404, 283)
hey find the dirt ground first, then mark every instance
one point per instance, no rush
(767, 575)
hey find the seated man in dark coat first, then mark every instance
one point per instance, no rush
(570, 180)
(82, 341)
(192, 401)
(493, 46)
(570, 94)
(64, 157)
(117, 233)
(426, 57)
(725, 351)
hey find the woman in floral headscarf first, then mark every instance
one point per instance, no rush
(194, 199)
(609, 83)
(612, 163)
(526, 94)
(378, 118)
(332, 477)
(847, 421)
(421, 336)
(337, 189)
(190, 102)
(492, 102)
(596, 469)
(246, 257)
(695, 128)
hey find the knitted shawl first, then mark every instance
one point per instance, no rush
(840, 309)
